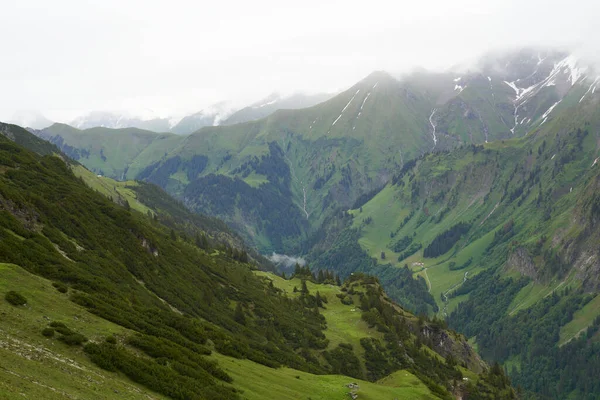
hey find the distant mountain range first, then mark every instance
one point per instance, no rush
(222, 113)
(341, 148)
(275, 102)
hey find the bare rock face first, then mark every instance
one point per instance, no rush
(521, 261)
(447, 343)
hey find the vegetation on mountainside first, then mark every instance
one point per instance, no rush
(526, 227)
(130, 255)
(173, 299)
(15, 298)
(269, 206)
(528, 340)
(373, 337)
(339, 152)
(29, 141)
(446, 240)
(346, 257)
(530, 204)
(36, 366)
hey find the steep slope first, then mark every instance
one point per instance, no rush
(308, 164)
(109, 151)
(272, 103)
(162, 304)
(143, 197)
(32, 365)
(505, 95)
(244, 155)
(27, 140)
(505, 236)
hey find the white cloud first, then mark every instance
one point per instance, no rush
(173, 56)
(286, 261)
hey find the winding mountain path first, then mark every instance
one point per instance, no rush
(445, 294)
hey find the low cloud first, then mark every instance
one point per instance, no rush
(286, 261)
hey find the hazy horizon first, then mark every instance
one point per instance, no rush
(179, 57)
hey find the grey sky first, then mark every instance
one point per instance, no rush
(67, 57)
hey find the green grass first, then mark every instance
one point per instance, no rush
(344, 323)
(110, 187)
(255, 180)
(258, 382)
(387, 212)
(581, 320)
(32, 366)
(443, 279)
(534, 292)
(528, 296)
(453, 303)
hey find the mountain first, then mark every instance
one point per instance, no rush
(274, 102)
(307, 164)
(108, 151)
(30, 119)
(211, 116)
(114, 120)
(504, 95)
(481, 183)
(222, 113)
(99, 298)
(505, 234)
(24, 138)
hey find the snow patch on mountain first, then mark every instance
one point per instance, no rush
(550, 109)
(364, 101)
(268, 103)
(545, 115)
(459, 88)
(592, 88)
(344, 109)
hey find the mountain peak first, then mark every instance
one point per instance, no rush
(378, 76)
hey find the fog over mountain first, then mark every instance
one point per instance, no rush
(181, 59)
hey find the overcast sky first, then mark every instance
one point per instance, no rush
(67, 57)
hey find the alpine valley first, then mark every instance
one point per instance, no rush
(114, 290)
(468, 198)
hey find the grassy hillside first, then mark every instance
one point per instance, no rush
(109, 151)
(258, 382)
(112, 288)
(509, 229)
(34, 366)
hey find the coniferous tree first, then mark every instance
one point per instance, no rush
(304, 287)
(321, 276)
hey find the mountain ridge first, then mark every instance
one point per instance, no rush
(145, 305)
(367, 130)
